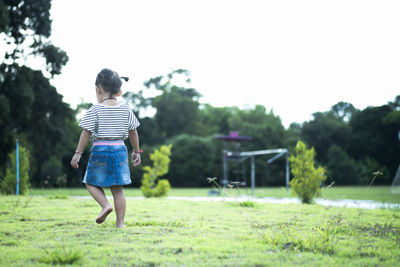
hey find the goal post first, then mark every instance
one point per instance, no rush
(395, 189)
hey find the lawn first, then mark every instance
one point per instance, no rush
(57, 229)
(376, 193)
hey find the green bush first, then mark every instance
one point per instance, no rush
(9, 184)
(162, 188)
(161, 160)
(306, 179)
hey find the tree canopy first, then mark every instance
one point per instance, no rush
(31, 109)
(25, 27)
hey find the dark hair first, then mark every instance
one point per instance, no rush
(110, 81)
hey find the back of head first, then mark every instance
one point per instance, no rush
(109, 81)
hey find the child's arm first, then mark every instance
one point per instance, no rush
(134, 139)
(83, 141)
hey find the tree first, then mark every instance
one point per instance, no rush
(267, 132)
(341, 168)
(138, 103)
(26, 26)
(306, 179)
(43, 122)
(30, 107)
(374, 135)
(369, 166)
(395, 104)
(350, 142)
(214, 120)
(52, 129)
(176, 106)
(176, 112)
(292, 135)
(161, 160)
(343, 111)
(266, 129)
(192, 160)
(324, 130)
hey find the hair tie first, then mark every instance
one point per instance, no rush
(125, 78)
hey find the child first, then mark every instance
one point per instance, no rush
(107, 124)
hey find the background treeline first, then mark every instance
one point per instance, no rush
(350, 143)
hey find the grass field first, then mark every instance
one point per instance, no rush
(56, 229)
(376, 193)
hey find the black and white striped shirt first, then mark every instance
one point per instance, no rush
(109, 122)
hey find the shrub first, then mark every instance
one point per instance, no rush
(306, 179)
(9, 184)
(161, 160)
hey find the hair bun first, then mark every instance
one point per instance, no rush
(109, 80)
(125, 78)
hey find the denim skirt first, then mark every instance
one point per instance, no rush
(108, 165)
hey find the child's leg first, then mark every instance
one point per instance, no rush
(119, 204)
(99, 195)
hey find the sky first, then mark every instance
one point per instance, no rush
(293, 57)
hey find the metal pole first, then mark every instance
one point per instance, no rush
(253, 176)
(17, 152)
(224, 181)
(287, 171)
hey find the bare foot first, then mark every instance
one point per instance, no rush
(103, 214)
(120, 225)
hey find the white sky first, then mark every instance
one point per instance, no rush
(294, 57)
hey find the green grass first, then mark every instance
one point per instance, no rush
(377, 193)
(43, 231)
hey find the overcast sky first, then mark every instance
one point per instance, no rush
(294, 57)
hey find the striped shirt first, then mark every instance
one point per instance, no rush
(109, 122)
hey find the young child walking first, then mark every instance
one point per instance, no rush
(107, 124)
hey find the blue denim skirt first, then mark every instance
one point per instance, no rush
(108, 165)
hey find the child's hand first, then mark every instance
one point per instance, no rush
(75, 160)
(136, 160)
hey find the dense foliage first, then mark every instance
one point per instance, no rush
(349, 143)
(9, 184)
(30, 107)
(151, 185)
(307, 178)
(354, 143)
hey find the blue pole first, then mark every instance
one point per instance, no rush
(17, 152)
(253, 176)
